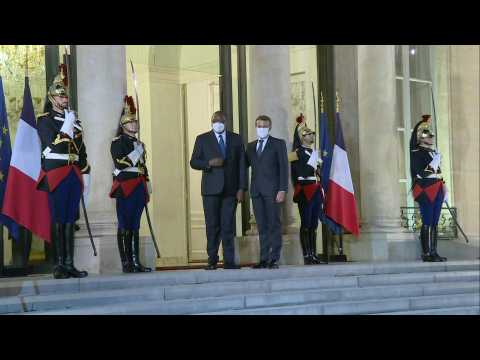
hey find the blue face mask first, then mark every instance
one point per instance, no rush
(218, 127)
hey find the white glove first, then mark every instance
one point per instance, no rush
(149, 187)
(313, 160)
(136, 154)
(139, 148)
(67, 127)
(86, 188)
(435, 163)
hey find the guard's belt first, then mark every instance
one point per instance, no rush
(314, 178)
(129, 169)
(433, 176)
(66, 157)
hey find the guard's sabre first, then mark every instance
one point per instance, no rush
(82, 200)
(315, 112)
(446, 203)
(138, 117)
(456, 222)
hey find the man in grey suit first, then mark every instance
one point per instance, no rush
(220, 154)
(269, 161)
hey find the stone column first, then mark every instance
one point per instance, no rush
(382, 237)
(464, 114)
(101, 81)
(269, 88)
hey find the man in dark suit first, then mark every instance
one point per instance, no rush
(269, 161)
(220, 154)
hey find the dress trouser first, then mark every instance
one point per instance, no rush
(219, 213)
(267, 215)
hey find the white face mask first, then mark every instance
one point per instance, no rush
(218, 127)
(262, 133)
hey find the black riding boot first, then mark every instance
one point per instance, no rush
(304, 241)
(69, 251)
(128, 238)
(59, 271)
(137, 267)
(313, 247)
(425, 242)
(122, 248)
(434, 235)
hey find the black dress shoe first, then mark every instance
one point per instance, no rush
(260, 265)
(60, 273)
(273, 265)
(76, 273)
(211, 267)
(231, 266)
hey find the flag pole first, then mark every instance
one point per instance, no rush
(325, 234)
(2, 261)
(315, 113)
(26, 61)
(24, 235)
(341, 256)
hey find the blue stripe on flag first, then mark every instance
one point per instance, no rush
(339, 133)
(5, 156)
(28, 114)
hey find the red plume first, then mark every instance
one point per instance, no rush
(62, 68)
(300, 118)
(129, 101)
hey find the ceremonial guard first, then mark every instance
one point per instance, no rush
(131, 187)
(305, 173)
(64, 172)
(428, 187)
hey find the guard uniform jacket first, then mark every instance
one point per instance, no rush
(426, 181)
(304, 176)
(127, 175)
(60, 153)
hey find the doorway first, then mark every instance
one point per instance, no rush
(179, 89)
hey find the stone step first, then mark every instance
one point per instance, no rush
(261, 288)
(377, 280)
(96, 301)
(356, 294)
(364, 307)
(469, 310)
(287, 276)
(157, 306)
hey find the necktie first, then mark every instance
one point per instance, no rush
(222, 146)
(260, 147)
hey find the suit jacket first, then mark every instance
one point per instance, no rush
(229, 178)
(270, 170)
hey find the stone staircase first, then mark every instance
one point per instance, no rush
(348, 288)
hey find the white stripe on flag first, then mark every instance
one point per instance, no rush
(340, 170)
(26, 153)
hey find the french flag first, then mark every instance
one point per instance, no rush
(340, 205)
(23, 203)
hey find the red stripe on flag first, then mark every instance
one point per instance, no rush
(341, 207)
(27, 205)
